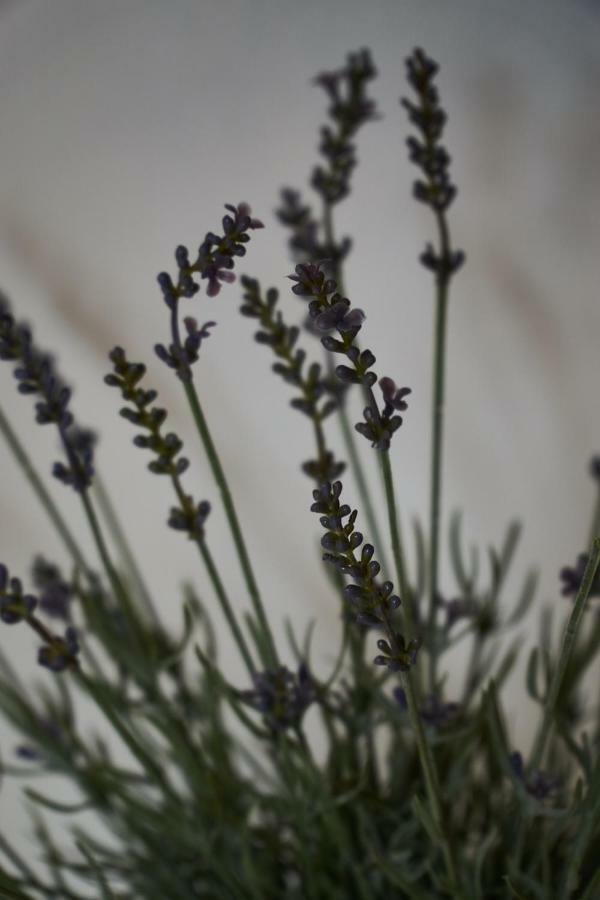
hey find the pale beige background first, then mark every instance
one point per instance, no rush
(124, 127)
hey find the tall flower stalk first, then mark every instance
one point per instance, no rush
(435, 190)
(187, 516)
(313, 238)
(214, 263)
(330, 312)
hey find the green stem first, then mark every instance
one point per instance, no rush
(394, 523)
(145, 644)
(215, 578)
(94, 524)
(112, 519)
(43, 496)
(154, 769)
(430, 776)
(226, 606)
(595, 526)
(567, 648)
(439, 364)
(219, 476)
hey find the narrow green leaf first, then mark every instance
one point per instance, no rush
(532, 675)
(524, 600)
(421, 811)
(182, 644)
(54, 805)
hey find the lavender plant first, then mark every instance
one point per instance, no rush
(416, 794)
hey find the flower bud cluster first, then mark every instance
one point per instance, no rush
(214, 263)
(378, 427)
(35, 373)
(305, 242)
(180, 355)
(60, 653)
(188, 517)
(435, 712)
(459, 608)
(14, 604)
(349, 108)
(572, 576)
(370, 600)
(316, 398)
(330, 311)
(51, 733)
(539, 784)
(57, 653)
(435, 189)
(55, 593)
(281, 696)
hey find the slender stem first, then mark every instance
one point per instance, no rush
(226, 606)
(43, 496)
(144, 640)
(394, 524)
(154, 769)
(219, 476)
(430, 776)
(439, 364)
(215, 578)
(432, 785)
(567, 648)
(112, 519)
(94, 524)
(595, 526)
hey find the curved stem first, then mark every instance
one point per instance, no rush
(219, 476)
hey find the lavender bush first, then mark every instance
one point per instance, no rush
(417, 794)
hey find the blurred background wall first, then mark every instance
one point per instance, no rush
(124, 127)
